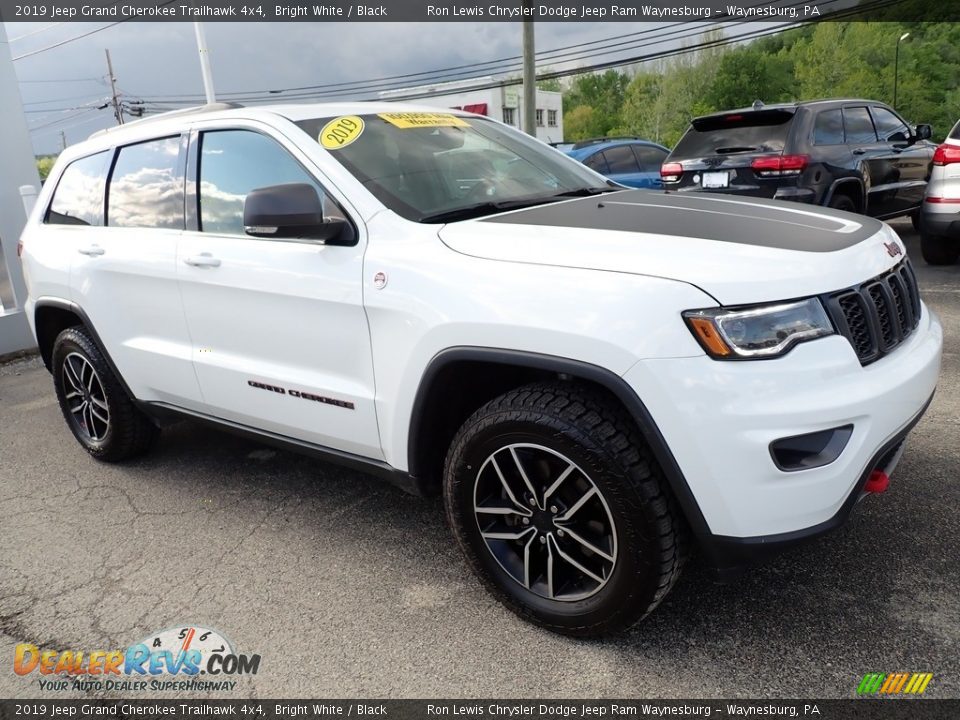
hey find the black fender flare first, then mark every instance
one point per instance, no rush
(577, 369)
(847, 181)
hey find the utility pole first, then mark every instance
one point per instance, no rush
(529, 75)
(117, 112)
(204, 62)
(63, 140)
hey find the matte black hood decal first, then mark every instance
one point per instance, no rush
(725, 218)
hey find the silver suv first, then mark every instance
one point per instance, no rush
(940, 220)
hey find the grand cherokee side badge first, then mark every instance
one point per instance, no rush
(380, 280)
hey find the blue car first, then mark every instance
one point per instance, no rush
(629, 161)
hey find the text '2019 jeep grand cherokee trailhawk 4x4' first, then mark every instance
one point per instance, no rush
(595, 377)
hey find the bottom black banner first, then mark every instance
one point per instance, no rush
(887, 709)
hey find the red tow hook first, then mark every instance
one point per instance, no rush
(878, 482)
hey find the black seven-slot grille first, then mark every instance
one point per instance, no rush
(879, 314)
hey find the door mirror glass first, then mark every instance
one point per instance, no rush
(923, 132)
(292, 210)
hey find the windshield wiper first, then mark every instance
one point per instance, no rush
(585, 191)
(735, 149)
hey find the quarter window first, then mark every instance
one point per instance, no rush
(890, 128)
(235, 162)
(858, 126)
(650, 158)
(146, 186)
(78, 198)
(828, 128)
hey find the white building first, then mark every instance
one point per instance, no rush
(501, 103)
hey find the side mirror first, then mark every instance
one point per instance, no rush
(923, 132)
(293, 210)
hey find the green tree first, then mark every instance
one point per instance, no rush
(581, 123)
(601, 92)
(45, 165)
(749, 74)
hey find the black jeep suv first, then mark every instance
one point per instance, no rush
(856, 155)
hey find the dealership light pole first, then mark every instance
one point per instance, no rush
(204, 62)
(896, 68)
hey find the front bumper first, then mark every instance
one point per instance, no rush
(719, 419)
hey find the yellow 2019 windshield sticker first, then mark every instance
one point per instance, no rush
(408, 120)
(341, 131)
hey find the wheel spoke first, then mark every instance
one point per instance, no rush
(98, 416)
(508, 535)
(503, 481)
(88, 418)
(579, 504)
(82, 406)
(581, 568)
(588, 545)
(523, 474)
(500, 511)
(71, 395)
(99, 403)
(70, 373)
(526, 560)
(556, 483)
(550, 592)
(93, 376)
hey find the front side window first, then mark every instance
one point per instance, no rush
(890, 128)
(426, 165)
(597, 162)
(146, 187)
(235, 162)
(828, 128)
(858, 127)
(78, 198)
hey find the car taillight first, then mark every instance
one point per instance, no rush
(946, 155)
(671, 172)
(779, 165)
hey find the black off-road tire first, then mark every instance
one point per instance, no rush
(129, 432)
(915, 220)
(587, 428)
(939, 249)
(843, 202)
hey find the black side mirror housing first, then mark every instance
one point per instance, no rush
(923, 132)
(291, 211)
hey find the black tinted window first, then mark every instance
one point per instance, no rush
(858, 125)
(890, 128)
(620, 159)
(596, 162)
(234, 162)
(828, 128)
(753, 131)
(650, 158)
(955, 133)
(146, 190)
(78, 199)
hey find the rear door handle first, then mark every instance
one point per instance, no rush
(202, 260)
(92, 251)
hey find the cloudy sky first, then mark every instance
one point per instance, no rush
(61, 86)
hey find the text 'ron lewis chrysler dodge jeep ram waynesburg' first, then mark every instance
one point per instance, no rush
(597, 379)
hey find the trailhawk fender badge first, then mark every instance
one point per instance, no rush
(893, 249)
(380, 280)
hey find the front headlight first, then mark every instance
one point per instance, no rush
(763, 331)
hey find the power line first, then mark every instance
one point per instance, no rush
(35, 32)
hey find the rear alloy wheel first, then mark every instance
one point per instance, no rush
(98, 411)
(562, 510)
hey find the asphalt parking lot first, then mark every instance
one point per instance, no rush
(349, 588)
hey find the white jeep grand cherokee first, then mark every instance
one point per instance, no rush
(596, 378)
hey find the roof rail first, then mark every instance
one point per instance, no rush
(210, 107)
(594, 141)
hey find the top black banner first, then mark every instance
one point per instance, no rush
(778, 11)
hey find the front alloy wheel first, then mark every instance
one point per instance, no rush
(85, 398)
(545, 522)
(562, 510)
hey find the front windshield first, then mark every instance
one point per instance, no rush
(435, 167)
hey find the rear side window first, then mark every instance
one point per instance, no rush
(858, 125)
(78, 198)
(890, 128)
(620, 159)
(955, 133)
(751, 131)
(650, 158)
(828, 128)
(146, 186)
(597, 162)
(234, 162)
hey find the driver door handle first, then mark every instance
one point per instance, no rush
(859, 151)
(92, 250)
(202, 260)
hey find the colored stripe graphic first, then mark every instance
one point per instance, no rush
(894, 683)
